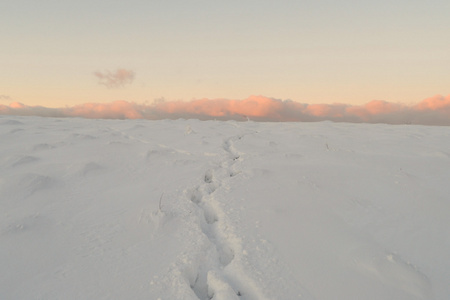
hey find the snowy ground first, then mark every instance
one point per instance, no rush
(111, 209)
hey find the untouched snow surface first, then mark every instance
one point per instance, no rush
(111, 209)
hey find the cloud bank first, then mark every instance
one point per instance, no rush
(116, 79)
(431, 111)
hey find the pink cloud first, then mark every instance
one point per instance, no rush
(375, 108)
(431, 111)
(254, 106)
(116, 79)
(326, 110)
(17, 105)
(113, 110)
(437, 102)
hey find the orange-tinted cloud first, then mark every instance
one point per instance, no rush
(431, 111)
(437, 102)
(116, 79)
(254, 107)
(113, 110)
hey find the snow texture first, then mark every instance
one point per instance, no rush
(188, 209)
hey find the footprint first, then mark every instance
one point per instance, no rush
(233, 173)
(211, 188)
(196, 196)
(226, 255)
(210, 215)
(208, 176)
(218, 289)
(200, 286)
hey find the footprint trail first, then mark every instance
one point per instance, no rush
(223, 274)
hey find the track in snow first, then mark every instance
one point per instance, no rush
(224, 278)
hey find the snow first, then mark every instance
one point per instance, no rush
(188, 209)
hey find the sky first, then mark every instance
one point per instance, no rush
(60, 53)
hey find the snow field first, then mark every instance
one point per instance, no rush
(112, 209)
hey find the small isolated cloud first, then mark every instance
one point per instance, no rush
(5, 97)
(431, 111)
(116, 79)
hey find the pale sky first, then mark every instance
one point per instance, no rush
(307, 51)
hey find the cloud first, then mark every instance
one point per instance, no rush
(113, 110)
(116, 79)
(5, 97)
(20, 109)
(431, 111)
